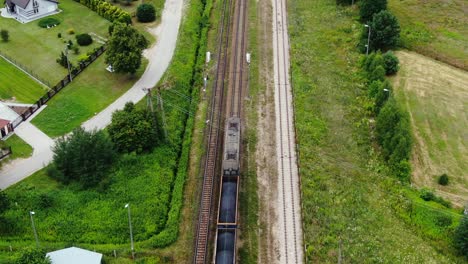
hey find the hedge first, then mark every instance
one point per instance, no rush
(107, 10)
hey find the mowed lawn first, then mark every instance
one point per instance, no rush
(435, 28)
(88, 94)
(345, 195)
(15, 84)
(436, 95)
(37, 49)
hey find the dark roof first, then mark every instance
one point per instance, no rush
(21, 3)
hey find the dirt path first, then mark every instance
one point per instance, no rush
(159, 57)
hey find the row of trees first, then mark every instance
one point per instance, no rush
(107, 10)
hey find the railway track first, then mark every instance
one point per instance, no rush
(288, 178)
(211, 159)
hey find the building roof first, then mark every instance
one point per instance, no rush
(3, 123)
(74, 255)
(7, 113)
(24, 3)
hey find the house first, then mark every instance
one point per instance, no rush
(74, 255)
(28, 10)
(7, 115)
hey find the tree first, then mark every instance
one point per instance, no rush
(146, 13)
(377, 74)
(33, 256)
(84, 157)
(382, 95)
(391, 63)
(367, 8)
(125, 48)
(133, 130)
(461, 237)
(5, 35)
(385, 31)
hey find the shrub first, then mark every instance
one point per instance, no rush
(378, 74)
(426, 194)
(70, 43)
(108, 11)
(443, 220)
(33, 256)
(84, 39)
(460, 238)
(71, 31)
(5, 35)
(443, 179)
(84, 157)
(391, 63)
(59, 35)
(48, 22)
(62, 60)
(146, 13)
(76, 50)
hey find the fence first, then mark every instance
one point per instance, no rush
(59, 86)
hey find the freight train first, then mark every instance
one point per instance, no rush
(228, 199)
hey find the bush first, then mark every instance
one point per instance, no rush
(33, 256)
(443, 179)
(426, 194)
(460, 238)
(443, 220)
(76, 50)
(84, 39)
(108, 11)
(84, 157)
(378, 74)
(70, 43)
(71, 31)
(146, 13)
(59, 35)
(391, 63)
(48, 22)
(5, 35)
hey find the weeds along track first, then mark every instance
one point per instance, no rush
(215, 122)
(289, 213)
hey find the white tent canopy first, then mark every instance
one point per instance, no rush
(74, 255)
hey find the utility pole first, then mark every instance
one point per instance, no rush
(340, 257)
(131, 231)
(161, 108)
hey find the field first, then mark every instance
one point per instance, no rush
(16, 84)
(435, 28)
(436, 95)
(89, 93)
(349, 199)
(36, 48)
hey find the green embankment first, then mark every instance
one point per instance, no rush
(348, 195)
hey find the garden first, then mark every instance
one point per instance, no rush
(36, 49)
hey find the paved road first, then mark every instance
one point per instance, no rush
(159, 57)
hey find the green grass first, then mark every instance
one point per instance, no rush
(36, 49)
(19, 148)
(17, 84)
(346, 193)
(89, 93)
(434, 28)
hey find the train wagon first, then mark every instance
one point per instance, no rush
(231, 147)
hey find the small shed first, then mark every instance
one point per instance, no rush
(74, 255)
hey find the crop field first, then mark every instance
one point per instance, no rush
(17, 86)
(37, 49)
(436, 95)
(348, 197)
(89, 93)
(435, 28)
